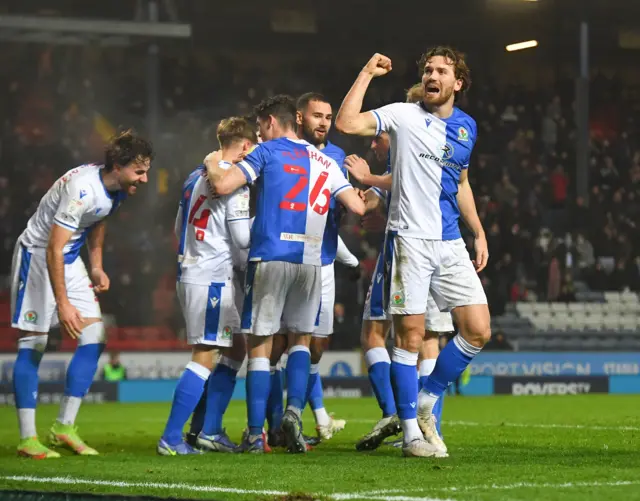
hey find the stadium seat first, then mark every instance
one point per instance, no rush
(558, 308)
(524, 309)
(611, 296)
(593, 322)
(577, 308)
(541, 308)
(629, 297)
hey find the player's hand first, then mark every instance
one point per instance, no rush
(378, 66)
(362, 194)
(71, 320)
(213, 158)
(100, 280)
(357, 167)
(482, 253)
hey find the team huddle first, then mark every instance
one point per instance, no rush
(256, 277)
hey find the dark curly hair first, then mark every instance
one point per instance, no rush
(281, 107)
(126, 147)
(457, 58)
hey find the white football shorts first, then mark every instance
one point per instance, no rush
(324, 322)
(33, 305)
(374, 304)
(279, 294)
(210, 313)
(417, 267)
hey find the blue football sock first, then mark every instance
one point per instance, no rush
(197, 418)
(258, 382)
(221, 385)
(452, 361)
(275, 405)
(314, 388)
(298, 365)
(379, 368)
(25, 371)
(185, 399)
(82, 368)
(404, 382)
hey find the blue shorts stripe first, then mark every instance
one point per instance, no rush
(388, 266)
(212, 315)
(318, 315)
(376, 301)
(25, 263)
(247, 306)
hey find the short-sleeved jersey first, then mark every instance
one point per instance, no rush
(205, 248)
(427, 156)
(76, 201)
(331, 230)
(295, 183)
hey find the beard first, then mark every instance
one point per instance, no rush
(438, 100)
(311, 136)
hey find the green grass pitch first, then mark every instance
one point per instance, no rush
(502, 448)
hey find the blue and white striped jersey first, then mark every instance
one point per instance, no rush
(427, 156)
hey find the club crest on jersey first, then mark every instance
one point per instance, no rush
(463, 135)
(214, 302)
(226, 333)
(31, 317)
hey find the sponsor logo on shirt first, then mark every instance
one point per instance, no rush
(214, 302)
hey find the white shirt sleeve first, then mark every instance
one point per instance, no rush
(75, 201)
(344, 256)
(237, 204)
(387, 117)
(337, 180)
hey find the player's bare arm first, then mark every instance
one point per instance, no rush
(352, 201)
(371, 200)
(350, 119)
(359, 169)
(469, 214)
(70, 317)
(223, 181)
(95, 243)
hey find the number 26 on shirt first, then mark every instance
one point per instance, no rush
(289, 204)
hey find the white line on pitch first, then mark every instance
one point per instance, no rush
(517, 485)
(205, 488)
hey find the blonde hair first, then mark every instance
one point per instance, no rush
(234, 129)
(415, 94)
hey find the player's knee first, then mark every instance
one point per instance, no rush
(410, 339)
(478, 334)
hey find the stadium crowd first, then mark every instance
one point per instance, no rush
(544, 242)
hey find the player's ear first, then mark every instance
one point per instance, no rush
(457, 87)
(299, 117)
